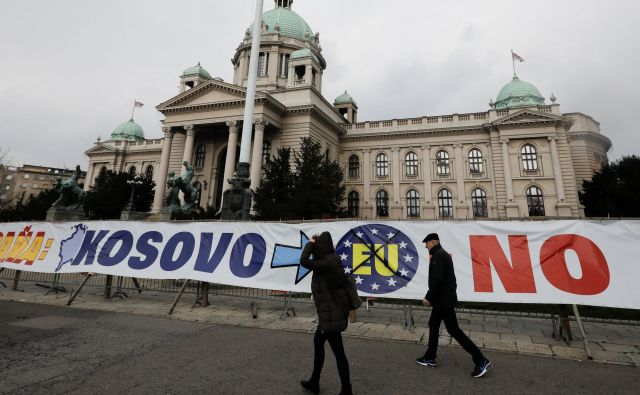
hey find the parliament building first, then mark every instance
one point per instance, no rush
(520, 157)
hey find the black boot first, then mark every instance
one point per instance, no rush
(312, 385)
(346, 390)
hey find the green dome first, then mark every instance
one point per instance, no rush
(197, 70)
(518, 93)
(128, 131)
(290, 23)
(344, 98)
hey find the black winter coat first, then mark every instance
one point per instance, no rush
(327, 284)
(442, 279)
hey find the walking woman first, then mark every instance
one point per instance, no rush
(332, 303)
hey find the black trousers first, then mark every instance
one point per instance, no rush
(335, 341)
(448, 315)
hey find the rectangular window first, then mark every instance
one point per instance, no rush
(284, 65)
(10, 177)
(262, 64)
(26, 176)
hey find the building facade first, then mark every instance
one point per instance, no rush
(19, 184)
(521, 157)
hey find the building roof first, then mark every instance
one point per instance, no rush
(304, 53)
(197, 70)
(128, 131)
(290, 23)
(344, 98)
(518, 93)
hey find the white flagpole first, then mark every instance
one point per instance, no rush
(134, 109)
(513, 61)
(247, 124)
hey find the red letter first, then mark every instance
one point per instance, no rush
(595, 271)
(516, 278)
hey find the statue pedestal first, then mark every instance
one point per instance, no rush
(62, 214)
(130, 215)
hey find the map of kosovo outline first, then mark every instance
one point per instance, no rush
(69, 247)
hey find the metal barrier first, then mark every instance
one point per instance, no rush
(56, 283)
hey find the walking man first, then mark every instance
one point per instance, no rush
(442, 297)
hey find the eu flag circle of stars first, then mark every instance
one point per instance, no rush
(370, 235)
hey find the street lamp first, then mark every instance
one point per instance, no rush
(133, 183)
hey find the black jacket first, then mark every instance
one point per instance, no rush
(442, 279)
(327, 284)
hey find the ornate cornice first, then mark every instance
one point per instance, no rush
(413, 133)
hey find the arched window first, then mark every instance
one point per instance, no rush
(201, 153)
(413, 204)
(354, 166)
(149, 173)
(266, 151)
(442, 163)
(479, 203)
(382, 165)
(529, 158)
(476, 165)
(382, 203)
(411, 164)
(354, 204)
(445, 203)
(132, 170)
(535, 202)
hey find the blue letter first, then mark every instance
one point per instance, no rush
(89, 246)
(205, 262)
(147, 250)
(257, 256)
(105, 258)
(166, 260)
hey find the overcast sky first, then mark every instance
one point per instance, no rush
(71, 69)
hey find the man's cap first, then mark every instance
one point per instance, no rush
(431, 236)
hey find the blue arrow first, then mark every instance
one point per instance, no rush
(287, 256)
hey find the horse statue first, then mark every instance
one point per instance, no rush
(173, 198)
(71, 195)
(182, 184)
(191, 194)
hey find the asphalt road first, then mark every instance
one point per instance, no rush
(54, 350)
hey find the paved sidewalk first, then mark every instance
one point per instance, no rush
(609, 343)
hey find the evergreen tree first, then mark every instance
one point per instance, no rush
(612, 192)
(110, 195)
(274, 197)
(318, 188)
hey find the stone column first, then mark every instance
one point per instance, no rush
(396, 207)
(256, 159)
(308, 76)
(461, 208)
(158, 200)
(511, 206)
(557, 171)
(188, 145)
(366, 176)
(429, 211)
(564, 209)
(230, 164)
(88, 180)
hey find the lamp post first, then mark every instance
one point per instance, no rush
(132, 183)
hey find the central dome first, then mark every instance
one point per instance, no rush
(518, 93)
(128, 131)
(290, 23)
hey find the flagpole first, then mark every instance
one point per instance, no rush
(134, 108)
(513, 62)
